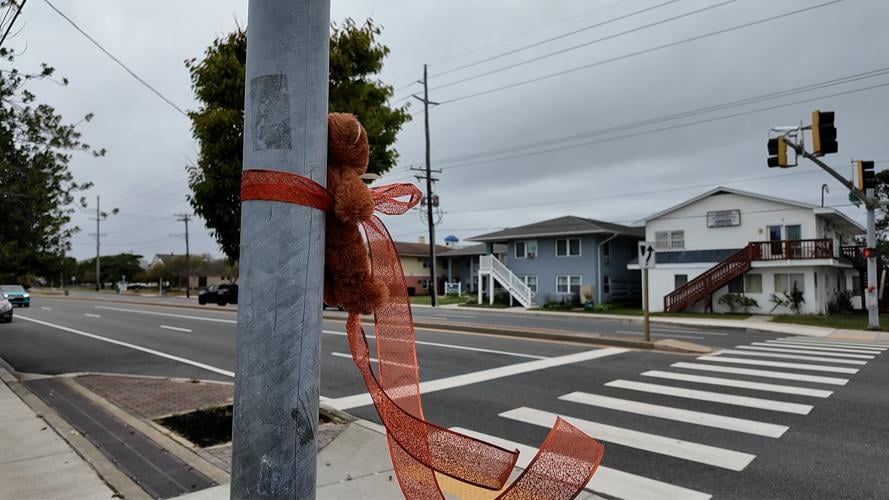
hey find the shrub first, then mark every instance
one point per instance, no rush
(738, 302)
(842, 302)
(792, 300)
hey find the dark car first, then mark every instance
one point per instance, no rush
(16, 295)
(219, 294)
(5, 310)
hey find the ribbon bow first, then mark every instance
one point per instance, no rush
(567, 458)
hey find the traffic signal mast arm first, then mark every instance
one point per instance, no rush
(842, 180)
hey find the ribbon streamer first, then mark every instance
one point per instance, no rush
(567, 459)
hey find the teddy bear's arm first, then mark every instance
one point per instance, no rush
(353, 200)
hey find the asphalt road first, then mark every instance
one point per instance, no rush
(771, 418)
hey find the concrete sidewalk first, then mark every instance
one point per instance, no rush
(35, 462)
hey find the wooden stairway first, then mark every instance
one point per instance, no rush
(713, 279)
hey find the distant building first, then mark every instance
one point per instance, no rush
(205, 271)
(415, 264)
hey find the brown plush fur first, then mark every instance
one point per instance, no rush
(347, 278)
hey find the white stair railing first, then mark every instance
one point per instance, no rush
(509, 281)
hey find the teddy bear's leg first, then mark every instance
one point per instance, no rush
(361, 293)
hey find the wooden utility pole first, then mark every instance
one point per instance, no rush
(430, 197)
(186, 218)
(274, 449)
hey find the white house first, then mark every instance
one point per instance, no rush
(731, 241)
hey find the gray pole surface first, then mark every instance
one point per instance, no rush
(98, 237)
(274, 449)
(645, 324)
(429, 197)
(873, 309)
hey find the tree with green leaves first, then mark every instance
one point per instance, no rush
(37, 189)
(114, 268)
(356, 57)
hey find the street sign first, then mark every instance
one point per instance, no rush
(854, 199)
(646, 255)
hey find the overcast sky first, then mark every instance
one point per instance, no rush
(602, 175)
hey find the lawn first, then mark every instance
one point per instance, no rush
(442, 300)
(850, 321)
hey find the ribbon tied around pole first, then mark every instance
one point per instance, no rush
(419, 449)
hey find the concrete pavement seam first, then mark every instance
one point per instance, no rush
(184, 453)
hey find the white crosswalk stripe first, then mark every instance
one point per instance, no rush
(779, 364)
(606, 481)
(739, 352)
(714, 397)
(881, 347)
(814, 347)
(743, 384)
(695, 452)
(791, 350)
(763, 373)
(678, 414)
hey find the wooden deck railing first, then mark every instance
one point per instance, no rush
(792, 250)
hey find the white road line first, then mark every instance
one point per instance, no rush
(88, 315)
(854, 345)
(778, 343)
(743, 384)
(47, 308)
(659, 334)
(715, 397)
(686, 330)
(175, 328)
(739, 352)
(701, 453)
(451, 346)
(607, 481)
(132, 346)
(364, 399)
(344, 355)
(168, 315)
(763, 373)
(779, 364)
(791, 350)
(678, 414)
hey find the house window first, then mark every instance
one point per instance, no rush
(793, 233)
(526, 249)
(606, 284)
(568, 284)
(785, 283)
(530, 282)
(568, 247)
(669, 240)
(679, 280)
(425, 262)
(753, 283)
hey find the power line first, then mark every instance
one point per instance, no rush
(552, 39)
(675, 116)
(12, 23)
(115, 59)
(640, 52)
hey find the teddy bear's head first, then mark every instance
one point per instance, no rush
(347, 145)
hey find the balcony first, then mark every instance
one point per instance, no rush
(792, 250)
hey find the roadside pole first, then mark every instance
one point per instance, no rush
(646, 261)
(274, 449)
(873, 308)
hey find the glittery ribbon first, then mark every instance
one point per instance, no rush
(419, 449)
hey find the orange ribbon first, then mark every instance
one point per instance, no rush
(566, 460)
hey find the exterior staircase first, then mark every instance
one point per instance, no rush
(740, 262)
(488, 264)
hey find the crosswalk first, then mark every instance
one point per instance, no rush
(808, 370)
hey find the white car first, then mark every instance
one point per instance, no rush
(5, 310)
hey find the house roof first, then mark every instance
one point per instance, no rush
(567, 225)
(410, 249)
(480, 249)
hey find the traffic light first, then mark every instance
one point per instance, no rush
(867, 177)
(824, 133)
(869, 252)
(777, 152)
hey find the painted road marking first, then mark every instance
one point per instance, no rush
(132, 346)
(855, 345)
(47, 308)
(779, 364)
(344, 355)
(790, 350)
(763, 373)
(88, 315)
(701, 453)
(168, 315)
(778, 343)
(686, 330)
(451, 346)
(715, 397)
(729, 382)
(791, 356)
(678, 414)
(608, 481)
(628, 332)
(364, 399)
(175, 328)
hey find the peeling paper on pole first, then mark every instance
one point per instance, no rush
(567, 458)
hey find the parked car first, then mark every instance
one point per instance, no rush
(219, 294)
(16, 295)
(5, 310)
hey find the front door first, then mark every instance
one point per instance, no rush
(775, 238)
(793, 234)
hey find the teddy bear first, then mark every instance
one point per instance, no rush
(348, 281)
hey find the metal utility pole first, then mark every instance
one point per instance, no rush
(274, 449)
(429, 180)
(98, 235)
(186, 218)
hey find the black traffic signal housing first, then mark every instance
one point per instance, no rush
(777, 147)
(869, 252)
(867, 176)
(824, 133)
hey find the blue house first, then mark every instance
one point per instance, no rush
(558, 258)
